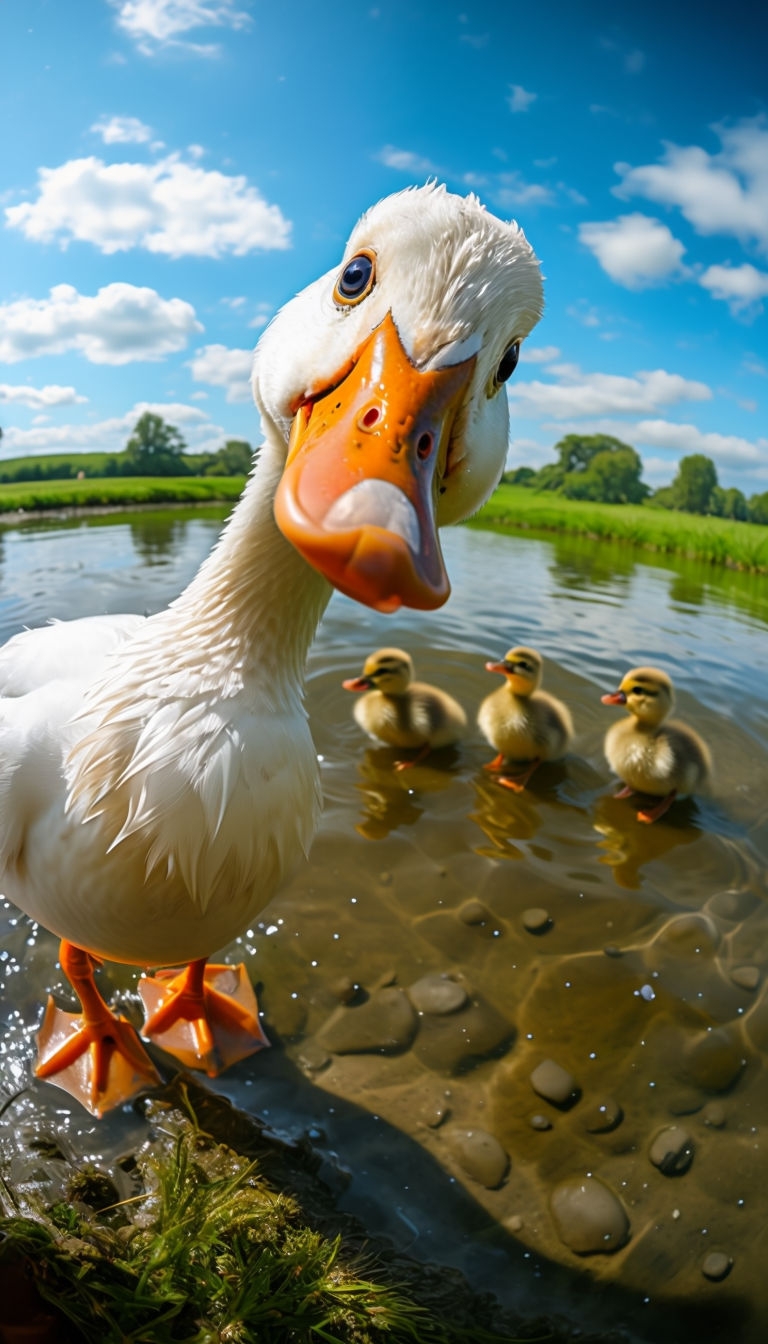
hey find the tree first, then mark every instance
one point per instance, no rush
(519, 476)
(694, 483)
(758, 508)
(728, 504)
(612, 476)
(576, 453)
(155, 448)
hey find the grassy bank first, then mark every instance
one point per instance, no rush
(109, 492)
(721, 541)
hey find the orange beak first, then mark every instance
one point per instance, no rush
(365, 460)
(357, 684)
(614, 698)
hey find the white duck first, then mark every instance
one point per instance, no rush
(157, 777)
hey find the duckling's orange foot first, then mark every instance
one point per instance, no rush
(518, 782)
(206, 1016)
(101, 1064)
(496, 764)
(650, 814)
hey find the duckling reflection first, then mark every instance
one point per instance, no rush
(524, 724)
(664, 759)
(402, 712)
(628, 845)
(504, 820)
(390, 796)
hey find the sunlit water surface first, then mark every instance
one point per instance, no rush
(647, 984)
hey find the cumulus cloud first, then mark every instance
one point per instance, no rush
(726, 449)
(519, 99)
(538, 354)
(21, 394)
(122, 131)
(579, 394)
(155, 24)
(723, 193)
(513, 191)
(406, 161)
(741, 287)
(169, 207)
(634, 250)
(111, 435)
(119, 324)
(221, 366)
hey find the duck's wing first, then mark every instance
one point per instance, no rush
(62, 651)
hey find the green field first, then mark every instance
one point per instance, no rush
(513, 508)
(112, 491)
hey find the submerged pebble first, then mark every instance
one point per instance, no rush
(437, 994)
(589, 1217)
(672, 1150)
(536, 919)
(386, 1022)
(602, 1116)
(746, 977)
(553, 1082)
(714, 1114)
(539, 1121)
(481, 1156)
(716, 1265)
(714, 1062)
(474, 912)
(345, 989)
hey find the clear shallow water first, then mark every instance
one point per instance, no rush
(429, 873)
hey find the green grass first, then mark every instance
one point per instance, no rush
(34, 496)
(210, 1249)
(514, 508)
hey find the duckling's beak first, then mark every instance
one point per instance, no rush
(503, 667)
(614, 698)
(357, 684)
(365, 461)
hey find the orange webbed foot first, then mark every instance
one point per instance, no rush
(495, 764)
(651, 814)
(205, 1016)
(101, 1064)
(518, 782)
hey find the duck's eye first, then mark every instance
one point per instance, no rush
(356, 280)
(508, 363)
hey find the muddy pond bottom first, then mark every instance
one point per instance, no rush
(527, 1033)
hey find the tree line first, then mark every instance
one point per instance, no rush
(602, 469)
(155, 448)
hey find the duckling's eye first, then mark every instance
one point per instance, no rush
(508, 363)
(356, 280)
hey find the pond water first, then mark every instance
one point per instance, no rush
(647, 983)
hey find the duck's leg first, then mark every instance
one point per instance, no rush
(207, 1016)
(496, 763)
(649, 814)
(626, 792)
(94, 1055)
(420, 754)
(518, 782)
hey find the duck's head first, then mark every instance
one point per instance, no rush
(387, 670)
(385, 381)
(522, 668)
(646, 692)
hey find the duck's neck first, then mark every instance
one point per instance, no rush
(255, 604)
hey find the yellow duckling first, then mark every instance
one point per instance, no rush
(403, 712)
(525, 725)
(666, 760)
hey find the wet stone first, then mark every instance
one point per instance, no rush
(612, 950)
(437, 994)
(714, 1063)
(474, 912)
(481, 1156)
(716, 1265)
(589, 1217)
(386, 1022)
(714, 1114)
(746, 977)
(539, 1121)
(454, 1042)
(536, 919)
(672, 1150)
(514, 1223)
(602, 1116)
(345, 989)
(553, 1082)
(434, 1113)
(313, 1058)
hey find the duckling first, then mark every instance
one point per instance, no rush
(666, 760)
(403, 712)
(526, 725)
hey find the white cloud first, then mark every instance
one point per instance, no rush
(169, 207)
(111, 435)
(224, 367)
(406, 161)
(119, 324)
(154, 24)
(21, 394)
(724, 193)
(741, 287)
(519, 99)
(727, 449)
(634, 250)
(581, 394)
(122, 131)
(513, 191)
(538, 354)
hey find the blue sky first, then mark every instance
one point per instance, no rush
(174, 170)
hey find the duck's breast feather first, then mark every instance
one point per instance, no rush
(62, 651)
